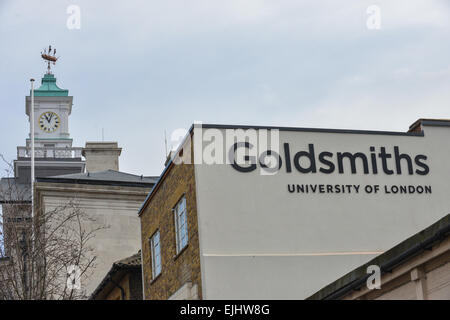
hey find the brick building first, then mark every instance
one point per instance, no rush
(245, 212)
(179, 273)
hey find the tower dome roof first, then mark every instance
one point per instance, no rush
(49, 88)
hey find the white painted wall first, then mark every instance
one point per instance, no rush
(114, 209)
(258, 241)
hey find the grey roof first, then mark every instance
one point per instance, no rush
(133, 261)
(108, 177)
(13, 191)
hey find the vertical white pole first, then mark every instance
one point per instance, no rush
(32, 147)
(165, 143)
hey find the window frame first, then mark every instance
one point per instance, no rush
(155, 271)
(180, 245)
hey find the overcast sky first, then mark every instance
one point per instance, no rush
(137, 68)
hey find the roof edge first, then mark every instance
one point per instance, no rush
(419, 123)
(318, 130)
(95, 182)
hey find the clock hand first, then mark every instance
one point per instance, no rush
(51, 116)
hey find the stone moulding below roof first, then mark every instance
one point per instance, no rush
(107, 178)
(78, 189)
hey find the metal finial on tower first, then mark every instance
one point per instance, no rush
(49, 58)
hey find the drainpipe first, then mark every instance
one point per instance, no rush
(142, 273)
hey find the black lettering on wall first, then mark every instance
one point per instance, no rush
(373, 157)
(267, 153)
(287, 156)
(421, 164)
(310, 156)
(384, 156)
(326, 162)
(352, 159)
(402, 156)
(232, 157)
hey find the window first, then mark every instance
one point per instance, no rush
(156, 254)
(181, 229)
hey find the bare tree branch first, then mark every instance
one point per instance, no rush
(37, 253)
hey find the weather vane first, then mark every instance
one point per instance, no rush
(49, 57)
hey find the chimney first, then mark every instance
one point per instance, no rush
(101, 156)
(416, 126)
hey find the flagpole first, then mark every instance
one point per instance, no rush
(32, 147)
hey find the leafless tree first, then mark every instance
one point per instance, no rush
(47, 256)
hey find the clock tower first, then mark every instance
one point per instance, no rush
(54, 153)
(52, 108)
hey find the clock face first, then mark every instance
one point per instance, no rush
(49, 121)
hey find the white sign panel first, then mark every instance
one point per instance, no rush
(284, 212)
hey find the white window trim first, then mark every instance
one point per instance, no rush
(177, 226)
(152, 249)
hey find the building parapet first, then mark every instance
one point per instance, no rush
(46, 152)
